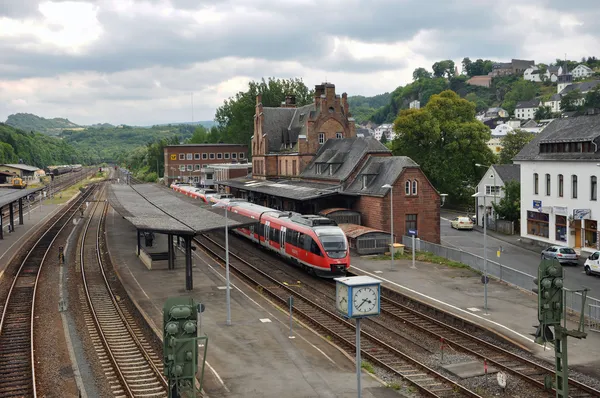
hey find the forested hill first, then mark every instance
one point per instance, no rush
(30, 122)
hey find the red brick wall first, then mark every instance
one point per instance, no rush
(426, 204)
(215, 149)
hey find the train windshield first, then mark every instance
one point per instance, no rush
(335, 245)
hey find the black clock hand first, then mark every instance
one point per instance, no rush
(364, 301)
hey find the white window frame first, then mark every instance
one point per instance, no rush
(407, 187)
(205, 156)
(339, 136)
(233, 155)
(219, 155)
(242, 156)
(321, 138)
(189, 156)
(415, 187)
(226, 155)
(491, 189)
(182, 156)
(211, 156)
(182, 167)
(197, 167)
(196, 156)
(190, 167)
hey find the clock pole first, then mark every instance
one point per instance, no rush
(358, 360)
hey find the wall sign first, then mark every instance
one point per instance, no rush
(581, 214)
(561, 210)
(173, 156)
(537, 204)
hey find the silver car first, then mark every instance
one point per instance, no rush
(564, 255)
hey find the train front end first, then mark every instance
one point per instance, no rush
(334, 245)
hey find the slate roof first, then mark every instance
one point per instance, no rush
(387, 170)
(283, 125)
(508, 172)
(582, 87)
(365, 132)
(348, 150)
(534, 103)
(298, 190)
(21, 167)
(553, 69)
(12, 195)
(571, 129)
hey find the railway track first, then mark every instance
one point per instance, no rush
(17, 354)
(426, 380)
(120, 343)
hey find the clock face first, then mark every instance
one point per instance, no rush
(342, 298)
(365, 300)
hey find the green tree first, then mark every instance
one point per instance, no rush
(543, 112)
(200, 136)
(421, 73)
(592, 98)
(236, 116)
(443, 68)
(446, 140)
(509, 206)
(466, 66)
(480, 104)
(383, 139)
(570, 101)
(522, 90)
(512, 143)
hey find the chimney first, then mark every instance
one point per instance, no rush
(259, 106)
(258, 99)
(290, 101)
(345, 105)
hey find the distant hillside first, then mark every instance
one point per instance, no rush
(363, 108)
(206, 123)
(29, 122)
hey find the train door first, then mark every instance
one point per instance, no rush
(282, 240)
(267, 232)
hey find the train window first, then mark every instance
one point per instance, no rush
(307, 242)
(314, 248)
(301, 240)
(274, 235)
(261, 230)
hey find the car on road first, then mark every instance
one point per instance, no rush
(564, 255)
(592, 264)
(462, 223)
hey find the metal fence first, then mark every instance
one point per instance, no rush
(508, 275)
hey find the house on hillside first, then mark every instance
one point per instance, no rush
(553, 72)
(526, 109)
(515, 67)
(533, 74)
(387, 129)
(491, 186)
(481, 81)
(582, 71)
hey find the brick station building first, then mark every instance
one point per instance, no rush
(308, 159)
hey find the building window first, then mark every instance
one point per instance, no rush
(182, 167)
(211, 156)
(293, 167)
(338, 136)
(594, 188)
(574, 186)
(411, 222)
(190, 167)
(197, 167)
(547, 184)
(561, 228)
(182, 156)
(219, 156)
(536, 181)
(407, 187)
(188, 156)
(204, 156)
(414, 187)
(233, 155)
(209, 176)
(226, 155)
(560, 185)
(196, 156)
(492, 190)
(321, 138)
(537, 224)
(241, 155)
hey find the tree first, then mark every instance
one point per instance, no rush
(236, 116)
(443, 68)
(592, 98)
(521, 90)
(383, 139)
(570, 101)
(480, 104)
(421, 73)
(512, 143)
(446, 140)
(466, 66)
(509, 206)
(543, 112)
(200, 136)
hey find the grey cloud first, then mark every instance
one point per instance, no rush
(18, 8)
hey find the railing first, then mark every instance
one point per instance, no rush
(508, 275)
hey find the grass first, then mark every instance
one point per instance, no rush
(394, 386)
(424, 257)
(367, 366)
(66, 194)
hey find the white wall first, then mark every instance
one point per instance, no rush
(583, 171)
(488, 179)
(525, 113)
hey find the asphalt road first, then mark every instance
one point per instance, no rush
(512, 255)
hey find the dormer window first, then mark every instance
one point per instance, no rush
(367, 179)
(322, 168)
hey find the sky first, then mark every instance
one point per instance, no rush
(143, 62)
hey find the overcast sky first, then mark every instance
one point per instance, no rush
(138, 62)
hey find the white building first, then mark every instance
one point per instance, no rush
(387, 129)
(502, 129)
(525, 110)
(416, 104)
(582, 71)
(553, 71)
(559, 184)
(491, 188)
(532, 74)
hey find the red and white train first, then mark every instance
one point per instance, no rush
(313, 242)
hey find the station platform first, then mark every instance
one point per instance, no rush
(512, 312)
(33, 219)
(252, 357)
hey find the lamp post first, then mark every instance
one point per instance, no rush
(388, 186)
(485, 278)
(227, 293)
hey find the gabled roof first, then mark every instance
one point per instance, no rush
(381, 171)
(534, 103)
(553, 69)
(21, 166)
(582, 87)
(348, 150)
(508, 172)
(571, 129)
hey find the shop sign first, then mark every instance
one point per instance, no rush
(581, 214)
(561, 210)
(537, 204)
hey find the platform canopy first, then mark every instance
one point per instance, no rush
(12, 195)
(152, 208)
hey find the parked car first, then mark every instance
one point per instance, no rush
(462, 223)
(564, 255)
(592, 264)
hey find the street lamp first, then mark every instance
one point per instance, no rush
(485, 278)
(388, 186)
(227, 295)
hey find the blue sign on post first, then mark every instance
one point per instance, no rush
(412, 232)
(537, 204)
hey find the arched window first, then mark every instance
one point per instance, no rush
(407, 187)
(414, 187)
